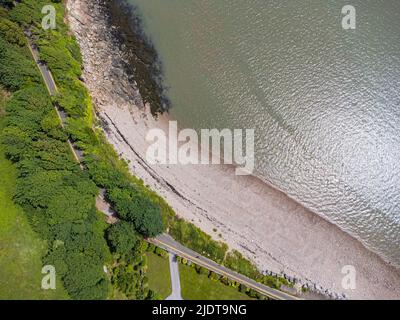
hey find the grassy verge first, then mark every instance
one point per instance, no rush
(159, 275)
(21, 250)
(200, 287)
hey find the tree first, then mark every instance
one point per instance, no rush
(214, 276)
(11, 32)
(137, 208)
(123, 238)
(16, 70)
(147, 217)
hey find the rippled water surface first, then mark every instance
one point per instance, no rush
(325, 102)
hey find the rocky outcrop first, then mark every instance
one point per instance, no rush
(105, 62)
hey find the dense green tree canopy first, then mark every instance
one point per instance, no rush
(57, 196)
(137, 208)
(16, 69)
(123, 238)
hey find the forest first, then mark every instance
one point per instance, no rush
(56, 195)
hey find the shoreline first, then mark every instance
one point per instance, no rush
(142, 62)
(282, 237)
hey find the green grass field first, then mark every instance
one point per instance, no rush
(199, 287)
(159, 275)
(20, 248)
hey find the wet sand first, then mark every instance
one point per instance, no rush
(269, 228)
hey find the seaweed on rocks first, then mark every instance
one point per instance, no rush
(143, 65)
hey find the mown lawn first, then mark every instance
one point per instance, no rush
(20, 248)
(199, 287)
(159, 275)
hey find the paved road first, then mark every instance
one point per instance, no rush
(164, 241)
(175, 279)
(52, 88)
(47, 77)
(169, 244)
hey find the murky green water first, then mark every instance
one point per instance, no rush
(325, 102)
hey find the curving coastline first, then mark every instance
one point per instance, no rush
(261, 222)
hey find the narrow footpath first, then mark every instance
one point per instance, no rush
(175, 279)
